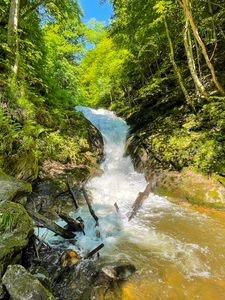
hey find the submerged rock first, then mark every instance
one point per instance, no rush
(13, 189)
(21, 285)
(15, 230)
(121, 272)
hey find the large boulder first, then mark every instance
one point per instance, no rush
(193, 187)
(21, 285)
(12, 189)
(91, 279)
(15, 229)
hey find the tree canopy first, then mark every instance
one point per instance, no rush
(159, 62)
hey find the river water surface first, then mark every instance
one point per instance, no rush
(179, 253)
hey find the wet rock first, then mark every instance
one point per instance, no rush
(15, 230)
(13, 189)
(48, 262)
(185, 185)
(192, 187)
(42, 275)
(143, 159)
(77, 281)
(21, 285)
(84, 280)
(50, 192)
(121, 272)
(50, 197)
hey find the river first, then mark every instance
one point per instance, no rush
(179, 253)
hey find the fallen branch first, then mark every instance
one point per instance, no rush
(43, 221)
(116, 207)
(140, 199)
(73, 225)
(42, 242)
(90, 206)
(73, 194)
(62, 193)
(94, 251)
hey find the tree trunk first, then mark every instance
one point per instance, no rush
(213, 21)
(188, 15)
(191, 63)
(12, 37)
(139, 201)
(198, 54)
(176, 69)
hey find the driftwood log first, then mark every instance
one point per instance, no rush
(73, 224)
(94, 251)
(116, 207)
(72, 194)
(45, 222)
(140, 199)
(90, 206)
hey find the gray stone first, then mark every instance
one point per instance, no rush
(21, 285)
(12, 189)
(15, 229)
(120, 272)
(43, 276)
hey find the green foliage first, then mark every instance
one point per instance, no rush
(126, 67)
(148, 93)
(36, 122)
(101, 70)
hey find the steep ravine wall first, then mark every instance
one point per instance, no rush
(183, 185)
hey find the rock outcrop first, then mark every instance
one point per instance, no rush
(15, 230)
(187, 184)
(21, 285)
(13, 189)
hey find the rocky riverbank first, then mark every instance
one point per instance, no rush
(68, 162)
(183, 185)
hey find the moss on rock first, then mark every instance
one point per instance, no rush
(21, 285)
(15, 230)
(193, 187)
(12, 189)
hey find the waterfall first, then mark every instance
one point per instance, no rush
(163, 238)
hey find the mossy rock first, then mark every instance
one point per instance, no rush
(21, 285)
(192, 187)
(15, 230)
(12, 189)
(2, 291)
(24, 167)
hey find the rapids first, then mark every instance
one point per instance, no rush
(179, 253)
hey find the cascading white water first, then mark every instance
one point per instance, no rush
(163, 238)
(120, 183)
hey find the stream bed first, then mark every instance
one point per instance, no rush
(179, 253)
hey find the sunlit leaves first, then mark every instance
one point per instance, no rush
(161, 7)
(101, 70)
